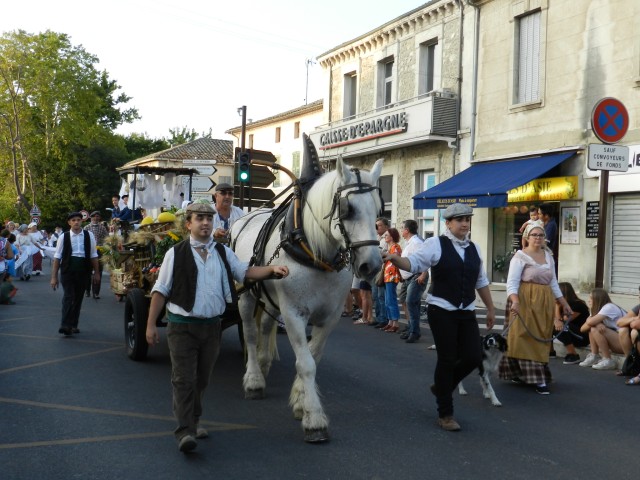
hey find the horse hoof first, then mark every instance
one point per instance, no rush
(317, 435)
(257, 394)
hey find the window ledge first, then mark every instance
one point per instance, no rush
(637, 81)
(521, 107)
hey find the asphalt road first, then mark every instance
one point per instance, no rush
(78, 408)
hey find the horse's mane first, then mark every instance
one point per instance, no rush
(318, 201)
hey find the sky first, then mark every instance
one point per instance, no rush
(193, 63)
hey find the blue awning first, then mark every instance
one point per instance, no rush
(486, 184)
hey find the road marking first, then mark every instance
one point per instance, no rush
(57, 338)
(58, 360)
(212, 426)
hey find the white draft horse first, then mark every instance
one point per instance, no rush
(338, 219)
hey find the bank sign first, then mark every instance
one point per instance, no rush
(370, 129)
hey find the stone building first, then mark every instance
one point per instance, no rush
(393, 93)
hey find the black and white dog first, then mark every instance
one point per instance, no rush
(493, 347)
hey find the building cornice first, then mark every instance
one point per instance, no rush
(407, 24)
(296, 112)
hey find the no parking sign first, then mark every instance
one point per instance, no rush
(610, 120)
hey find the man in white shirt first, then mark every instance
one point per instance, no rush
(227, 212)
(413, 284)
(75, 256)
(196, 283)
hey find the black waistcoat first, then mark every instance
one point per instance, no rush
(66, 251)
(453, 279)
(185, 275)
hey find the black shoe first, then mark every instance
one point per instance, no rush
(405, 330)
(542, 390)
(66, 331)
(96, 296)
(413, 338)
(381, 325)
(404, 336)
(517, 381)
(88, 294)
(27, 277)
(571, 359)
(75, 330)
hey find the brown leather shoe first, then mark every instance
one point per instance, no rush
(449, 424)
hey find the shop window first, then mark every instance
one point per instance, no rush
(506, 237)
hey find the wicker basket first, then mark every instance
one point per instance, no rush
(122, 282)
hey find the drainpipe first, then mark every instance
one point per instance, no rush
(456, 147)
(474, 84)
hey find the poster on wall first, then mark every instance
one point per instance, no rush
(570, 222)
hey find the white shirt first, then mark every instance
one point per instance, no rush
(612, 313)
(429, 255)
(210, 299)
(77, 245)
(234, 215)
(412, 246)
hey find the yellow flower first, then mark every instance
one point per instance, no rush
(173, 236)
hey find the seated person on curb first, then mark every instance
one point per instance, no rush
(573, 337)
(625, 329)
(603, 331)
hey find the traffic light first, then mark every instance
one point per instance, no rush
(244, 167)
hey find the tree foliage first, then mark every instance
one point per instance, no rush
(58, 114)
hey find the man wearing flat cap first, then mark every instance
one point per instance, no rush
(75, 257)
(196, 281)
(227, 212)
(456, 274)
(100, 233)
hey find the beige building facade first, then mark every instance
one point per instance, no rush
(393, 93)
(543, 65)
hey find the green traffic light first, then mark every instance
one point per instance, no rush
(244, 176)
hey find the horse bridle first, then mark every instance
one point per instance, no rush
(341, 204)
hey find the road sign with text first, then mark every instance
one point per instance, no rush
(608, 157)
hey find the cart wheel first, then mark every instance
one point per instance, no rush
(135, 324)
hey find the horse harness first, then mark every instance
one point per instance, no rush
(288, 216)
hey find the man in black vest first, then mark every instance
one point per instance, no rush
(456, 274)
(75, 256)
(196, 281)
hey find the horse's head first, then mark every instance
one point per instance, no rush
(356, 205)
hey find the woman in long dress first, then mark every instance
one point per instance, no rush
(532, 289)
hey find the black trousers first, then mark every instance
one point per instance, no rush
(74, 285)
(457, 338)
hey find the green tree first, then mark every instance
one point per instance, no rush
(183, 135)
(57, 116)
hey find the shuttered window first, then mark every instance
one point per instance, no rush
(528, 59)
(625, 254)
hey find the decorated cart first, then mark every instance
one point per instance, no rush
(133, 257)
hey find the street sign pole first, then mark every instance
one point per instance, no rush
(609, 121)
(602, 228)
